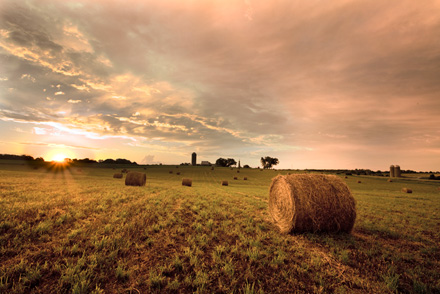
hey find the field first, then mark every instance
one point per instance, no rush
(82, 231)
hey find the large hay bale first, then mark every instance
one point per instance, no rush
(135, 179)
(187, 182)
(406, 190)
(117, 176)
(225, 183)
(311, 203)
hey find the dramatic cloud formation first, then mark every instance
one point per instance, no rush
(318, 84)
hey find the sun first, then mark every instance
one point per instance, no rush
(59, 157)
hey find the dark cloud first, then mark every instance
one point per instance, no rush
(242, 76)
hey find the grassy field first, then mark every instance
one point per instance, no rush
(82, 231)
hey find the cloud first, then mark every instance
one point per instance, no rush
(149, 159)
(226, 76)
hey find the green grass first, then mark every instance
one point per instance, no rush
(83, 231)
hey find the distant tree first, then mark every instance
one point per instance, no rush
(225, 162)
(230, 162)
(268, 162)
(221, 162)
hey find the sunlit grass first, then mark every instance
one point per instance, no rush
(83, 231)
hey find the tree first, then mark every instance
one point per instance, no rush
(268, 162)
(230, 161)
(225, 162)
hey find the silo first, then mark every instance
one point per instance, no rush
(397, 171)
(391, 171)
(194, 159)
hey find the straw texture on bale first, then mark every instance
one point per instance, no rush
(117, 176)
(311, 203)
(406, 190)
(187, 182)
(135, 179)
(225, 183)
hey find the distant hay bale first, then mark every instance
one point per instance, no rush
(170, 171)
(238, 172)
(245, 179)
(187, 182)
(346, 177)
(124, 170)
(212, 168)
(135, 179)
(225, 183)
(178, 173)
(235, 178)
(311, 203)
(117, 176)
(389, 180)
(406, 190)
(359, 182)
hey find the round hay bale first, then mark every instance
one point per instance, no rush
(389, 180)
(212, 168)
(245, 179)
(124, 170)
(187, 182)
(359, 182)
(346, 177)
(135, 179)
(406, 190)
(235, 178)
(117, 176)
(238, 172)
(178, 173)
(171, 171)
(311, 203)
(225, 183)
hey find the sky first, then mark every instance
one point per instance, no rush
(315, 83)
